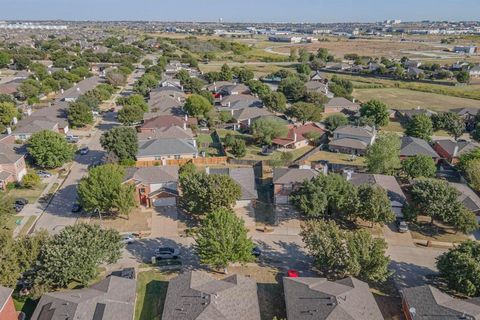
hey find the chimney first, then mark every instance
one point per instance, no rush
(194, 143)
(185, 126)
(229, 104)
(231, 112)
(249, 121)
(14, 120)
(186, 117)
(207, 170)
(455, 151)
(62, 91)
(294, 137)
(9, 130)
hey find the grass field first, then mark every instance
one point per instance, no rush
(408, 99)
(151, 292)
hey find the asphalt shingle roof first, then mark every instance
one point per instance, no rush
(413, 146)
(153, 175)
(244, 177)
(293, 175)
(320, 299)
(195, 295)
(430, 303)
(163, 147)
(111, 299)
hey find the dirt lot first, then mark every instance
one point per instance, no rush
(362, 47)
(138, 221)
(408, 99)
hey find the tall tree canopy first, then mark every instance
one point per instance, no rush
(384, 155)
(222, 239)
(50, 149)
(340, 253)
(420, 127)
(376, 111)
(203, 193)
(197, 106)
(121, 141)
(266, 129)
(460, 267)
(419, 166)
(303, 111)
(79, 114)
(374, 205)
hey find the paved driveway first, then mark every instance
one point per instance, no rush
(164, 222)
(411, 264)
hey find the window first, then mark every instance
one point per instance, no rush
(158, 158)
(177, 157)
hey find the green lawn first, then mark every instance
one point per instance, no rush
(408, 99)
(423, 230)
(151, 292)
(26, 305)
(338, 158)
(27, 225)
(31, 195)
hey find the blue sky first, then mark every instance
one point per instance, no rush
(241, 11)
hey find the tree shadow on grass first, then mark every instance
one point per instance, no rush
(153, 300)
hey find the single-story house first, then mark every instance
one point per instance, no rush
(172, 92)
(173, 132)
(7, 308)
(452, 150)
(33, 124)
(218, 85)
(297, 136)
(352, 139)
(111, 298)
(197, 295)
(412, 146)
(164, 105)
(467, 197)
(158, 151)
(340, 104)
(239, 101)
(165, 122)
(244, 117)
(317, 86)
(427, 302)
(245, 178)
(387, 183)
(287, 180)
(321, 299)
(154, 186)
(468, 115)
(407, 115)
(12, 164)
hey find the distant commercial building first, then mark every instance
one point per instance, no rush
(287, 39)
(465, 49)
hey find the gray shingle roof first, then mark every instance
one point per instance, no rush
(388, 183)
(341, 102)
(244, 177)
(195, 295)
(356, 131)
(165, 147)
(430, 303)
(320, 299)
(413, 146)
(111, 299)
(467, 196)
(11, 153)
(152, 175)
(293, 175)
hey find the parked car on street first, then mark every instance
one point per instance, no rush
(21, 201)
(402, 226)
(43, 174)
(84, 151)
(166, 253)
(128, 239)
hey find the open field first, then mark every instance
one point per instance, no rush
(408, 99)
(364, 47)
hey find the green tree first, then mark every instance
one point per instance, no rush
(326, 196)
(374, 205)
(259, 88)
(335, 120)
(101, 189)
(239, 148)
(203, 193)
(50, 149)
(304, 68)
(29, 88)
(121, 141)
(472, 172)
(419, 166)
(222, 239)
(4, 59)
(420, 127)
(339, 253)
(293, 88)
(187, 169)
(226, 73)
(130, 115)
(375, 110)
(451, 122)
(6, 210)
(197, 106)
(31, 180)
(438, 200)
(275, 102)
(8, 111)
(460, 267)
(463, 77)
(124, 201)
(79, 114)
(75, 254)
(303, 111)
(384, 155)
(266, 129)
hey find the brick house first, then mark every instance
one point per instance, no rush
(452, 150)
(7, 308)
(154, 186)
(12, 164)
(287, 180)
(297, 136)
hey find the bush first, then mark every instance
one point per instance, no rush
(31, 180)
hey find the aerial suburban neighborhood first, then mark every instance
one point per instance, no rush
(238, 170)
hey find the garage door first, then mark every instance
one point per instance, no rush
(163, 202)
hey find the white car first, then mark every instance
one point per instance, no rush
(128, 239)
